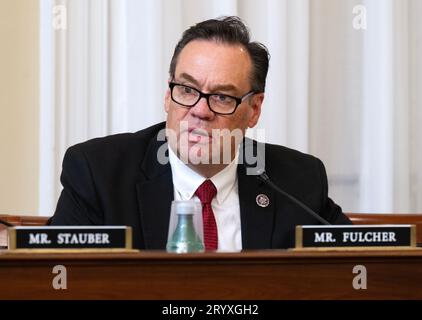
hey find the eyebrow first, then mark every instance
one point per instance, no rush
(221, 87)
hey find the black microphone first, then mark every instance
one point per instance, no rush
(7, 224)
(257, 168)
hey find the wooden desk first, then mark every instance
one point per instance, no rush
(249, 275)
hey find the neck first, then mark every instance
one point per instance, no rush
(207, 170)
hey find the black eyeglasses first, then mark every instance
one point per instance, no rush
(218, 103)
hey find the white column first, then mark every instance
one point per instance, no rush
(274, 113)
(401, 140)
(377, 115)
(98, 69)
(47, 112)
(297, 69)
(60, 96)
(75, 114)
(117, 47)
(415, 118)
(224, 7)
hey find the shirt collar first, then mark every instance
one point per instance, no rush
(186, 181)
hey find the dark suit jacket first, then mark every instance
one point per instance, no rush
(117, 180)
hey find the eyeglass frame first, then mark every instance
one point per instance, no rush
(238, 100)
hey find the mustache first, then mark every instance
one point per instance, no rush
(200, 131)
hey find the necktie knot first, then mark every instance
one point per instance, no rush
(206, 192)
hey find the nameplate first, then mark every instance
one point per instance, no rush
(355, 236)
(77, 237)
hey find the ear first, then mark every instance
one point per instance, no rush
(167, 99)
(256, 104)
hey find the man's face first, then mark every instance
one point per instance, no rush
(211, 67)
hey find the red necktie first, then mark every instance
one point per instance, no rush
(206, 192)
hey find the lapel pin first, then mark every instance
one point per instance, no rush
(262, 200)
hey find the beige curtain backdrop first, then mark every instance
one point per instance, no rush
(344, 84)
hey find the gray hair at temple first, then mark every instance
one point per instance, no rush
(230, 30)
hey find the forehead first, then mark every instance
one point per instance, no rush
(212, 63)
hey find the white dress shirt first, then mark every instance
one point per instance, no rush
(225, 205)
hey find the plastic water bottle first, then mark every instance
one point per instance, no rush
(185, 237)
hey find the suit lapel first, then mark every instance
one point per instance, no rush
(155, 194)
(256, 221)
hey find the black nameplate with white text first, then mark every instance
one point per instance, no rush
(75, 237)
(355, 236)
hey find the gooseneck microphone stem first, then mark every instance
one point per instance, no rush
(264, 177)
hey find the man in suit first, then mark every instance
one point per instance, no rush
(216, 90)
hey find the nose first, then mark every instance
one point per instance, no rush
(202, 110)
